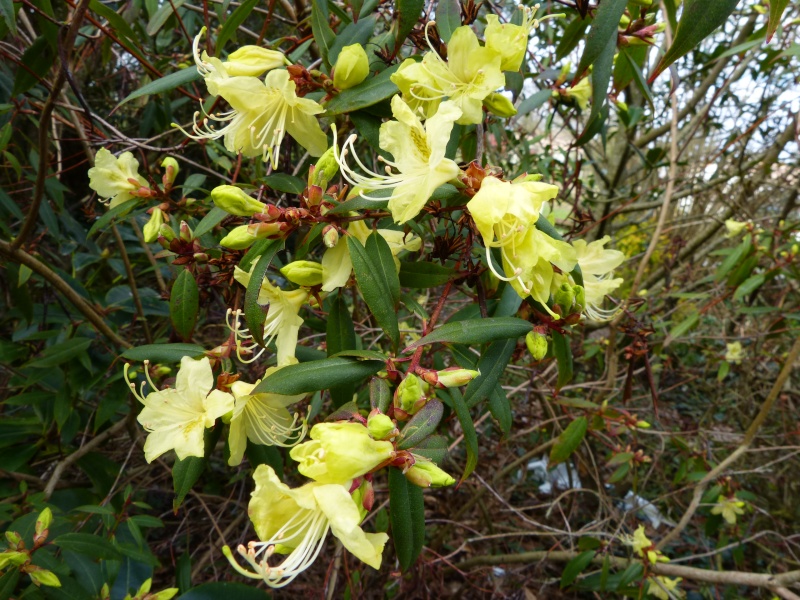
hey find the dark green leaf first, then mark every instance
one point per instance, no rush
(184, 303)
(378, 250)
(468, 428)
(8, 583)
(317, 375)
(371, 91)
(533, 102)
(491, 365)
(323, 34)
(185, 474)
(602, 34)
(421, 425)
(698, 20)
(166, 83)
(749, 285)
(212, 219)
(478, 331)
(365, 354)
(288, 184)
(379, 394)
(568, 441)
(169, 353)
(423, 274)
(509, 304)
(340, 336)
(601, 74)
(111, 214)
(9, 15)
(61, 353)
(115, 20)
(407, 513)
(408, 12)
(232, 23)
(575, 567)
(37, 60)
(685, 325)
(500, 408)
(88, 545)
(563, 354)
(354, 33)
(164, 12)
(573, 33)
(375, 289)
(632, 573)
(776, 8)
(448, 18)
(254, 314)
(620, 472)
(220, 589)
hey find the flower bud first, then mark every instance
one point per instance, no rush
(499, 104)
(450, 377)
(11, 558)
(167, 232)
(314, 195)
(164, 594)
(330, 236)
(43, 521)
(380, 426)
(152, 228)
(580, 93)
(537, 345)
(235, 201)
(41, 576)
(325, 169)
(303, 272)
(253, 61)
(238, 238)
(565, 297)
(14, 540)
(642, 425)
(145, 587)
(734, 227)
(171, 170)
(580, 296)
(352, 67)
(186, 232)
(426, 474)
(409, 396)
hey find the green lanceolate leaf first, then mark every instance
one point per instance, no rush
(168, 353)
(317, 375)
(421, 425)
(575, 567)
(166, 83)
(491, 365)
(254, 314)
(500, 409)
(534, 101)
(185, 474)
(407, 513)
(776, 8)
(212, 219)
(408, 13)
(281, 182)
(371, 91)
(340, 336)
(88, 544)
(477, 331)
(573, 33)
(698, 20)
(355, 33)
(448, 18)
(422, 274)
(568, 441)
(379, 394)
(9, 15)
(232, 23)
(749, 285)
(379, 251)
(323, 34)
(563, 354)
(61, 353)
(685, 325)
(373, 283)
(603, 31)
(184, 303)
(468, 427)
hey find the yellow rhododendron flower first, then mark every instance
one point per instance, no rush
(580, 92)
(470, 73)
(337, 265)
(352, 67)
(296, 522)
(511, 41)
(177, 417)
(643, 546)
(419, 165)
(419, 89)
(729, 508)
(668, 586)
(116, 179)
(734, 353)
(263, 419)
(596, 264)
(283, 319)
(340, 452)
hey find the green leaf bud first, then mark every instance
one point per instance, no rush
(12, 558)
(409, 395)
(235, 201)
(330, 236)
(380, 426)
(352, 67)
(43, 577)
(171, 170)
(167, 232)
(565, 297)
(303, 272)
(325, 169)
(43, 521)
(426, 474)
(186, 232)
